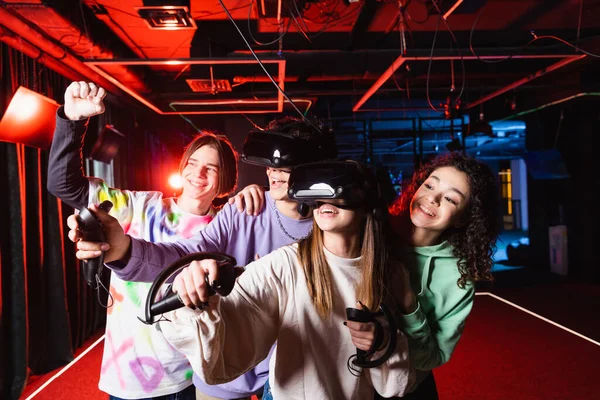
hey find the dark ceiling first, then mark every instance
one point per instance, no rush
(395, 58)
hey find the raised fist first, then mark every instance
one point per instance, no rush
(83, 100)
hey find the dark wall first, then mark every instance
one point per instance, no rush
(236, 128)
(568, 201)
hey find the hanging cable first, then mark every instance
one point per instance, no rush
(437, 28)
(535, 39)
(462, 61)
(579, 22)
(304, 117)
(401, 25)
(266, 43)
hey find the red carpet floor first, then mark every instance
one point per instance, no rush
(80, 381)
(505, 353)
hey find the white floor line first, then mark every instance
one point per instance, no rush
(66, 367)
(59, 373)
(539, 316)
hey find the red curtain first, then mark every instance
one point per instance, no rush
(46, 309)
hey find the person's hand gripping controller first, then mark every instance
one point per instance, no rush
(115, 244)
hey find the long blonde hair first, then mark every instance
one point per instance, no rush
(372, 288)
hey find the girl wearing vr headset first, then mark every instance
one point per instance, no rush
(447, 218)
(282, 145)
(296, 297)
(209, 170)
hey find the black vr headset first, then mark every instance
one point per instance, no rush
(284, 147)
(348, 182)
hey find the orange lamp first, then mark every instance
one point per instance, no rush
(29, 119)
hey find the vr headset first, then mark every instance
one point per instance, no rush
(283, 148)
(347, 182)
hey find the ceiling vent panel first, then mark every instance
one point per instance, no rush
(209, 85)
(167, 17)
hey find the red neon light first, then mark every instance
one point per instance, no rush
(528, 78)
(451, 10)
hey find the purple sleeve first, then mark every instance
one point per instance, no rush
(65, 173)
(148, 259)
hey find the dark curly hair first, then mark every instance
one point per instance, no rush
(474, 241)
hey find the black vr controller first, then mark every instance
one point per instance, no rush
(360, 360)
(91, 230)
(222, 287)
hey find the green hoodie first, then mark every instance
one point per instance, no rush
(434, 328)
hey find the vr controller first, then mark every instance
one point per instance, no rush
(91, 230)
(222, 287)
(360, 360)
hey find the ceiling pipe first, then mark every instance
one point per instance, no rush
(108, 21)
(566, 59)
(343, 92)
(362, 22)
(33, 52)
(413, 55)
(382, 79)
(394, 109)
(314, 78)
(45, 45)
(552, 103)
(529, 78)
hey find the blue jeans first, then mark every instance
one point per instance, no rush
(267, 395)
(189, 393)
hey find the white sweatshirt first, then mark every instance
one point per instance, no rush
(270, 303)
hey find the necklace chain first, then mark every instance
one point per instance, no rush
(295, 239)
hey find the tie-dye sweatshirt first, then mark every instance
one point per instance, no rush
(137, 361)
(237, 234)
